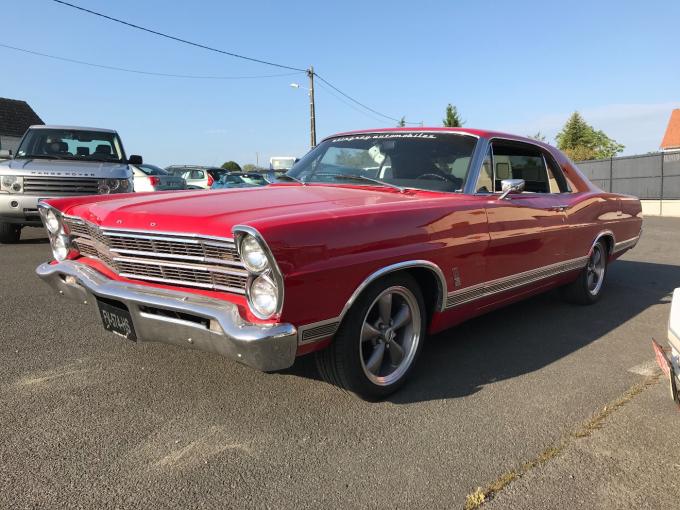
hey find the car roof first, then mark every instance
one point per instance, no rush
(72, 128)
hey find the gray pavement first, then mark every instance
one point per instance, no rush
(90, 420)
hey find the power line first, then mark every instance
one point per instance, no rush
(139, 71)
(231, 54)
(357, 102)
(178, 39)
(350, 105)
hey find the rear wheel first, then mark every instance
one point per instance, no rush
(379, 339)
(586, 289)
(9, 233)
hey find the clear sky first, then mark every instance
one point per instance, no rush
(518, 66)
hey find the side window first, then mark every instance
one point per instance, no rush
(196, 174)
(557, 179)
(520, 161)
(485, 180)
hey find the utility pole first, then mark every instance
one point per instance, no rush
(312, 114)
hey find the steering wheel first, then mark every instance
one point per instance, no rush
(431, 175)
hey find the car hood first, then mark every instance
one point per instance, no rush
(215, 212)
(65, 168)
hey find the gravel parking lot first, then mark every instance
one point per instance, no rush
(91, 420)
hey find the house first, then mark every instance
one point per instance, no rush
(15, 118)
(671, 140)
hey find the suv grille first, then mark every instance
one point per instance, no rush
(176, 259)
(50, 186)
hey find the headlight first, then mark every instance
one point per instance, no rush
(12, 183)
(263, 296)
(252, 254)
(60, 247)
(52, 222)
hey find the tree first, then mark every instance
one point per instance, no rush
(452, 117)
(249, 167)
(402, 122)
(232, 166)
(581, 142)
(540, 137)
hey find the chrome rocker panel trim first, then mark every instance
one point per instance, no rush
(264, 347)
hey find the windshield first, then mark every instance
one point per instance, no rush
(430, 161)
(71, 144)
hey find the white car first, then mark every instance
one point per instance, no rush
(153, 178)
(202, 177)
(670, 362)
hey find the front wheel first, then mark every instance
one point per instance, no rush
(379, 339)
(9, 233)
(586, 289)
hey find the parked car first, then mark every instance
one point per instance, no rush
(670, 362)
(153, 178)
(240, 180)
(197, 177)
(55, 161)
(377, 239)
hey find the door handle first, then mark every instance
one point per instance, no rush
(559, 208)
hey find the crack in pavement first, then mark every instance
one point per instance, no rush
(482, 495)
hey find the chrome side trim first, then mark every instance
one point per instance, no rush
(318, 330)
(486, 289)
(624, 245)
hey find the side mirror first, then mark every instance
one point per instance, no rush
(511, 187)
(5, 153)
(135, 160)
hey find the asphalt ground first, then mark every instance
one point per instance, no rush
(90, 420)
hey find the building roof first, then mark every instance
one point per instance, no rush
(16, 116)
(671, 140)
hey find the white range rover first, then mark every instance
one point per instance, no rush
(58, 161)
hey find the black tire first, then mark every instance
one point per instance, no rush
(582, 291)
(9, 233)
(345, 363)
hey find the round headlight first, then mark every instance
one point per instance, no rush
(60, 248)
(52, 222)
(264, 297)
(253, 256)
(113, 184)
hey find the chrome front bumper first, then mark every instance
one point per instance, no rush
(206, 324)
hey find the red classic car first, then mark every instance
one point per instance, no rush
(371, 241)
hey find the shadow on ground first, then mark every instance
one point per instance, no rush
(527, 336)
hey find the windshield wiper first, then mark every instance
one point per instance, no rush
(357, 177)
(295, 179)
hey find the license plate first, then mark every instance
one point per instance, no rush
(117, 319)
(667, 368)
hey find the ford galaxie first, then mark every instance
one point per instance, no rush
(373, 240)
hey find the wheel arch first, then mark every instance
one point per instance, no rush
(429, 276)
(609, 239)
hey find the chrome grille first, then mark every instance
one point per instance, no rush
(177, 259)
(50, 186)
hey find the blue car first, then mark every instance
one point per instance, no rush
(239, 180)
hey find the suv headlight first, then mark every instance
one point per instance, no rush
(107, 186)
(12, 183)
(264, 288)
